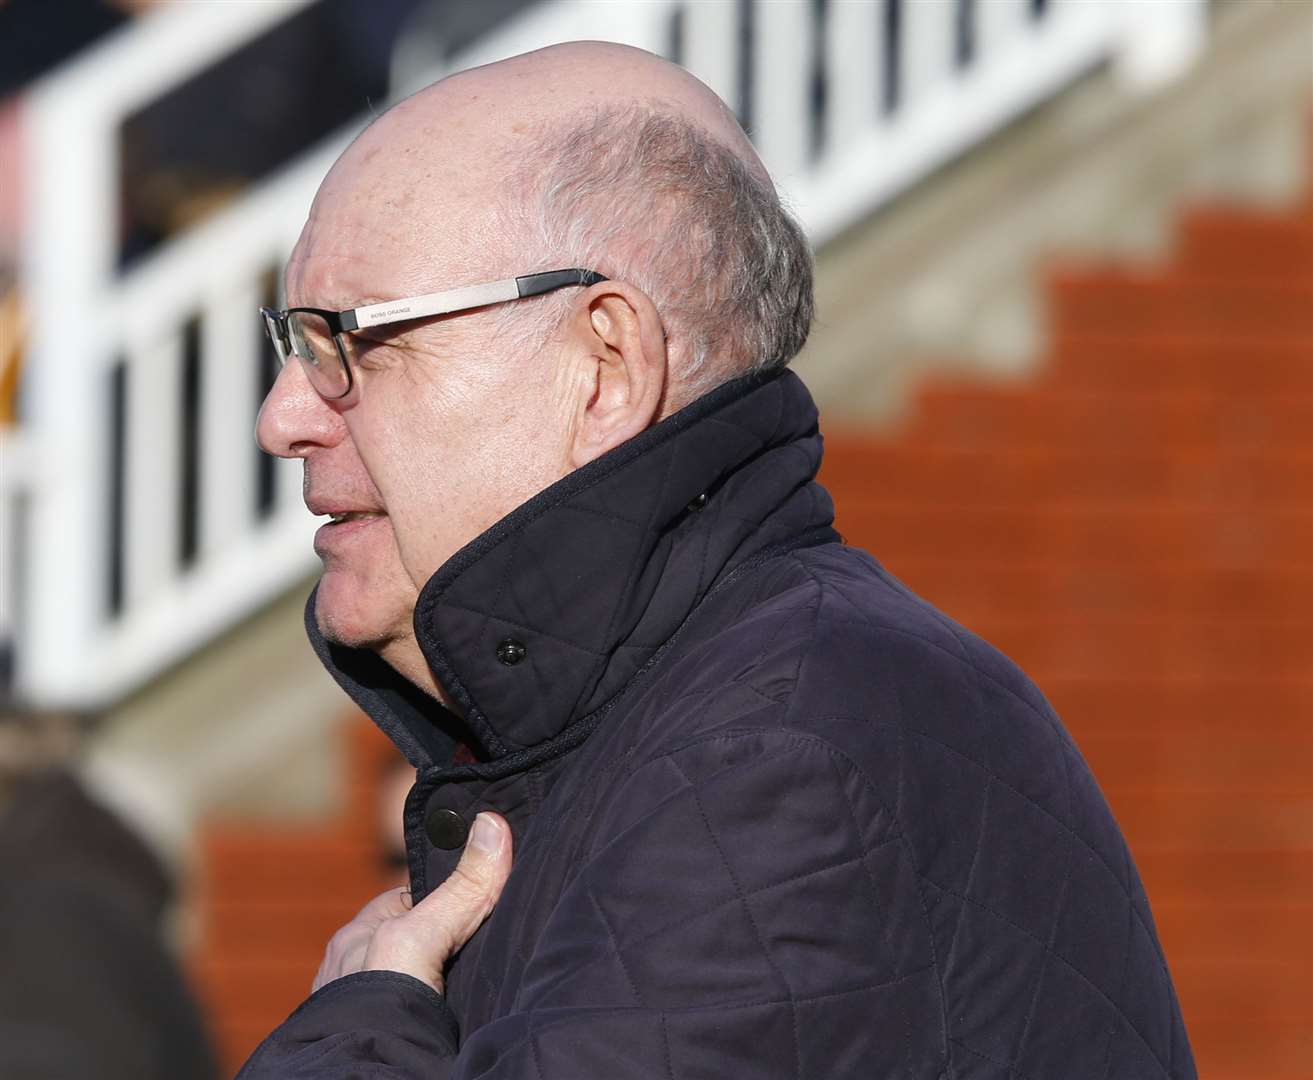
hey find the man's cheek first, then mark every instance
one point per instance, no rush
(416, 548)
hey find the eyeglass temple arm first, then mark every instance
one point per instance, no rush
(536, 284)
(463, 299)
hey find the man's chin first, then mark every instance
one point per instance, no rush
(348, 613)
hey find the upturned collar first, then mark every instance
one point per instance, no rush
(544, 618)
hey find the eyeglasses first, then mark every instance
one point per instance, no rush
(317, 337)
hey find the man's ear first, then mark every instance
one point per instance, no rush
(618, 339)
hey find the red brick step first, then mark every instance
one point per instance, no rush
(1246, 246)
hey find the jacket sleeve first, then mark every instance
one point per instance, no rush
(373, 1025)
(745, 906)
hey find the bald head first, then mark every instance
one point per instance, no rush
(508, 100)
(586, 154)
(478, 119)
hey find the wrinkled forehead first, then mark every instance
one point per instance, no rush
(406, 209)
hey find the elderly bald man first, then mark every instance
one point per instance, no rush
(773, 815)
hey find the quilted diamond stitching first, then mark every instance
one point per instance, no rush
(531, 1014)
(998, 779)
(898, 818)
(1021, 794)
(568, 642)
(752, 920)
(800, 999)
(639, 556)
(937, 615)
(875, 892)
(742, 429)
(925, 908)
(903, 730)
(868, 720)
(615, 948)
(731, 1006)
(665, 1042)
(535, 1053)
(605, 515)
(952, 892)
(513, 554)
(701, 584)
(900, 836)
(1068, 859)
(865, 619)
(971, 872)
(715, 909)
(1121, 983)
(1013, 1072)
(1056, 956)
(1053, 937)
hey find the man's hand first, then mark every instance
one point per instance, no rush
(390, 935)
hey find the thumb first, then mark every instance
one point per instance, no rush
(421, 941)
(459, 905)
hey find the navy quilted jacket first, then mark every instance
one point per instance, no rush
(774, 815)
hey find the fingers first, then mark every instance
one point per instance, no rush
(386, 905)
(345, 953)
(347, 948)
(422, 942)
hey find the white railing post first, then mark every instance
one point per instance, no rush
(999, 23)
(928, 33)
(782, 85)
(69, 253)
(228, 389)
(1158, 39)
(152, 475)
(18, 476)
(710, 50)
(854, 54)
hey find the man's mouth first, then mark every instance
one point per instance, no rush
(343, 528)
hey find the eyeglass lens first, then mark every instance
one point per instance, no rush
(312, 340)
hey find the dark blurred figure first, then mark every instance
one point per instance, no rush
(88, 990)
(191, 151)
(35, 35)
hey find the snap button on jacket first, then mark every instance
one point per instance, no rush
(445, 828)
(774, 815)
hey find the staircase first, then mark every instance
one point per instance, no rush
(1134, 526)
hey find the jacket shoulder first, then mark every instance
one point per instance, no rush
(1040, 930)
(1022, 865)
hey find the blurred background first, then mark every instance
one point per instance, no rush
(1064, 360)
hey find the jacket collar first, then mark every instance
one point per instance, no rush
(544, 618)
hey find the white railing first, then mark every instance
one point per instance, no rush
(848, 104)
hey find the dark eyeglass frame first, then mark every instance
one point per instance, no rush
(447, 302)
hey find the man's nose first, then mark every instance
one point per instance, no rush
(294, 419)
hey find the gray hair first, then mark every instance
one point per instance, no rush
(647, 198)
